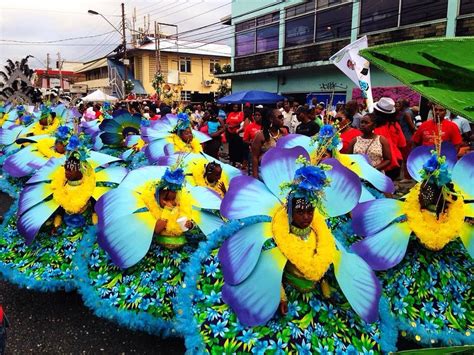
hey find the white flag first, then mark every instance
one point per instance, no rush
(356, 67)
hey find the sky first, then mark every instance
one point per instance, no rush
(34, 21)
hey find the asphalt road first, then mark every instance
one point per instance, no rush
(59, 323)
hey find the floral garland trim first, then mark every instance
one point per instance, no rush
(73, 198)
(312, 257)
(16, 277)
(433, 233)
(185, 322)
(141, 321)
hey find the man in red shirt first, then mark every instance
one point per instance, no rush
(427, 133)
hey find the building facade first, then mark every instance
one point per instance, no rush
(284, 46)
(187, 67)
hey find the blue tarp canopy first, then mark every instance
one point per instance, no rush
(252, 97)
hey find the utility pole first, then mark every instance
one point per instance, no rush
(60, 67)
(47, 70)
(157, 48)
(124, 39)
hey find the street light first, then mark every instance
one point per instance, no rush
(124, 38)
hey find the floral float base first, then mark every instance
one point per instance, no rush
(140, 297)
(430, 295)
(46, 264)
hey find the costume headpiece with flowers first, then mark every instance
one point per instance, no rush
(62, 133)
(20, 109)
(183, 123)
(173, 179)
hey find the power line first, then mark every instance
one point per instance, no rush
(54, 41)
(205, 12)
(49, 10)
(107, 40)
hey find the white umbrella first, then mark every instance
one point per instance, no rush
(99, 96)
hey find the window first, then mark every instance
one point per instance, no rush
(378, 15)
(300, 9)
(414, 11)
(267, 38)
(326, 3)
(466, 7)
(334, 23)
(185, 95)
(257, 35)
(299, 31)
(185, 64)
(245, 43)
(212, 65)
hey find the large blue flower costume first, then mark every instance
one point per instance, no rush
(253, 276)
(416, 241)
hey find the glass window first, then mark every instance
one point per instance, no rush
(325, 3)
(466, 7)
(299, 31)
(414, 11)
(185, 64)
(263, 20)
(334, 23)
(378, 15)
(245, 25)
(245, 43)
(300, 9)
(212, 65)
(185, 95)
(267, 38)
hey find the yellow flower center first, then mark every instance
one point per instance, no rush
(180, 146)
(182, 209)
(434, 233)
(46, 147)
(39, 129)
(197, 169)
(313, 256)
(73, 199)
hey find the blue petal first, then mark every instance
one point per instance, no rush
(17, 165)
(154, 150)
(279, 166)
(247, 197)
(207, 222)
(31, 221)
(47, 171)
(204, 197)
(113, 174)
(99, 159)
(127, 239)
(110, 126)
(363, 169)
(359, 284)
(239, 254)
(467, 238)
(131, 140)
(365, 195)
(463, 176)
(110, 138)
(138, 177)
(9, 136)
(420, 155)
(31, 195)
(117, 203)
(256, 299)
(385, 249)
(126, 154)
(155, 132)
(344, 190)
(201, 137)
(371, 217)
(296, 140)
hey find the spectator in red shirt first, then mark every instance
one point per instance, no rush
(3, 330)
(253, 127)
(344, 118)
(387, 127)
(234, 119)
(428, 134)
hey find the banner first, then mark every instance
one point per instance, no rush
(356, 67)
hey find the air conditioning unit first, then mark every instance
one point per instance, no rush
(207, 83)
